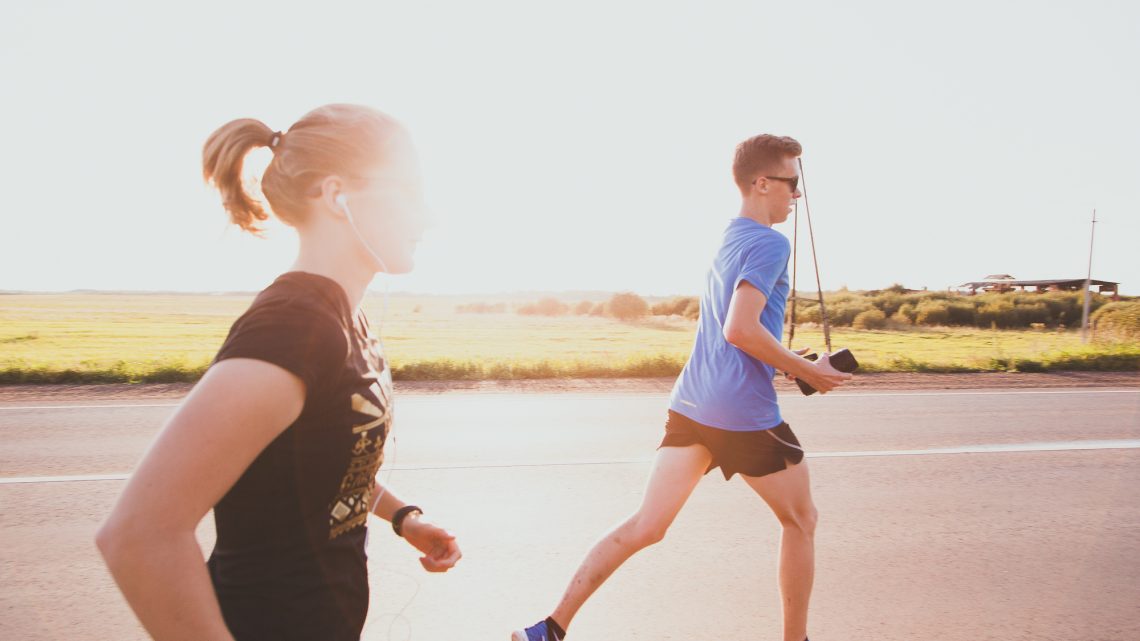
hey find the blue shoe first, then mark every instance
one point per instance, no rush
(536, 632)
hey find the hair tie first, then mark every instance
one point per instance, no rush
(275, 140)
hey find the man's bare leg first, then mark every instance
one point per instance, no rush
(788, 493)
(676, 471)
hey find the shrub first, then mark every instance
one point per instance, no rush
(870, 319)
(674, 307)
(692, 310)
(598, 310)
(932, 312)
(845, 312)
(1117, 321)
(583, 308)
(906, 312)
(807, 312)
(544, 307)
(900, 318)
(481, 308)
(627, 306)
(960, 313)
(1029, 314)
(1000, 313)
(888, 303)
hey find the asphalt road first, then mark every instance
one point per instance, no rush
(971, 514)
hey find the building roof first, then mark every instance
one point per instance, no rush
(1036, 283)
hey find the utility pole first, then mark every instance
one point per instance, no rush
(1088, 285)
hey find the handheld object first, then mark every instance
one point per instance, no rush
(843, 360)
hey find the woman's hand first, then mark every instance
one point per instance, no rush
(441, 552)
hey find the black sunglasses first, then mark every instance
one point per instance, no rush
(792, 182)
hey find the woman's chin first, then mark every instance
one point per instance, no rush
(400, 265)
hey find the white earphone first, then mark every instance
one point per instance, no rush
(342, 200)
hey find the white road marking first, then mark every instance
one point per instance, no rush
(410, 396)
(1054, 446)
(981, 393)
(84, 407)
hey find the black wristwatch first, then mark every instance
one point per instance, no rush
(400, 515)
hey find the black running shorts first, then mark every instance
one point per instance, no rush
(753, 453)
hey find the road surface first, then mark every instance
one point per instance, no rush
(954, 515)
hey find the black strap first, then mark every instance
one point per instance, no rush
(400, 515)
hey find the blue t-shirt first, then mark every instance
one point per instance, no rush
(721, 386)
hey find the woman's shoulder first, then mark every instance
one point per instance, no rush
(298, 303)
(295, 297)
(293, 325)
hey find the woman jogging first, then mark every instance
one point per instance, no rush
(284, 434)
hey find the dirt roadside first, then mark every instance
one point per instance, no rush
(864, 382)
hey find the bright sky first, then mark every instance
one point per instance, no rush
(584, 145)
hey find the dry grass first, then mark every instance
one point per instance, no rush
(153, 337)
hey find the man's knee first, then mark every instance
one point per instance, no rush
(640, 532)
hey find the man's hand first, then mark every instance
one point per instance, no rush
(798, 352)
(824, 377)
(441, 552)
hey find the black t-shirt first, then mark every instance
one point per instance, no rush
(289, 563)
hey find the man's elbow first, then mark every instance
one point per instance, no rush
(733, 334)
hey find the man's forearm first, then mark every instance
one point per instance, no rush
(758, 342)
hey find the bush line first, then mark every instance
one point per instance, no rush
(1109, 359)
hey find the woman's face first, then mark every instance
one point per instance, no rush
(388, 208)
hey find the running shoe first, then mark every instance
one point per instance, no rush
(536, 632)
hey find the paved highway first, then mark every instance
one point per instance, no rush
(965, 514)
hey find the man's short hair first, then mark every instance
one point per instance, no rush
(759, 155)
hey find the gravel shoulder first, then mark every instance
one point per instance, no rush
(16, 394)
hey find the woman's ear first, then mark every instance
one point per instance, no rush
(332, 192)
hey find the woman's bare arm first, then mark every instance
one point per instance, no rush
(148, 542)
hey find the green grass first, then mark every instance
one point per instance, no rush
(96, 338)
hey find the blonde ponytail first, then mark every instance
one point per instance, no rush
(222, 159)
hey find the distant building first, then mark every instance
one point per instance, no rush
(1007, 283)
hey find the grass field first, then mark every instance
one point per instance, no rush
(156, 337)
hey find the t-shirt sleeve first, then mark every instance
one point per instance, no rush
(298, 338)
(764, 262)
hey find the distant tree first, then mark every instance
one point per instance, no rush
(545, 307)
(627, 306)
(481, 308)
(678, 306)
(692, 309)
(870, 319)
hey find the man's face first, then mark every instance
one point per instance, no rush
(777, 191)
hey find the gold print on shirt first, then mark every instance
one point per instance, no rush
(354, 499)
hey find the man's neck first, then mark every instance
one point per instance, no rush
(753, 211)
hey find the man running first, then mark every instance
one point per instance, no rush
(723, 410)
